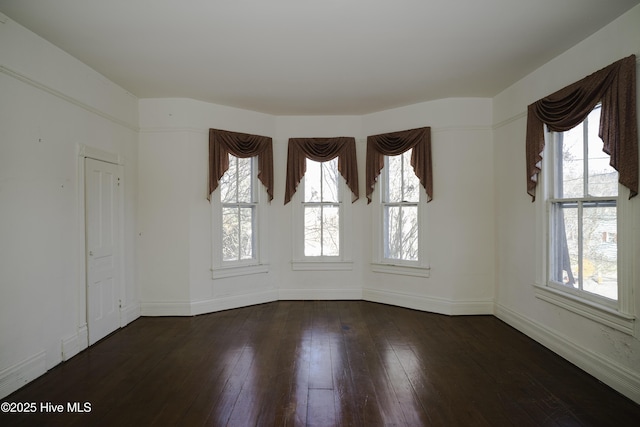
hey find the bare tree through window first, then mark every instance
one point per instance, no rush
(239, 202)
(401, 194)
(322, 209)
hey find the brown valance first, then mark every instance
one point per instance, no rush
(395, 143)
(613, 86)
(242, 145)
(321, 150)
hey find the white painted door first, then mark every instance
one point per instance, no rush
(102, 187)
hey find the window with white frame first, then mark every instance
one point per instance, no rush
(322, 208)
(320, 219)
(583, 257)
(400, 204)
(401, 219)
(237, 214)
(588, 268)
(238, 202)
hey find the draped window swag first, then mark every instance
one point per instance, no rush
(242, 145)
(615, 87)
(395, 143)
(321, 150)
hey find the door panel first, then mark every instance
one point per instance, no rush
(102, 186)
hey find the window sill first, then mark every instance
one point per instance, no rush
(241, 270)
(591, 310)
(405, 270)
(321, 265)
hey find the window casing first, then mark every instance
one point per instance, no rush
(320, 219)
(237, 215)
(401, 219)
(586, 267)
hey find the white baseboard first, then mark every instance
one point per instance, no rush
(417, 302)
(234, 301)
(74, 344)
(431, 304)
(608, 371)
(194, 308)
(16, 376)
(70, 347)
(83, 337)
(154, 308)
(128, 314)
(319, 294)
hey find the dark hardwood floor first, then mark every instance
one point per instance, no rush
(325, 363)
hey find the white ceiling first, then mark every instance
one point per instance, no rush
(314, 57)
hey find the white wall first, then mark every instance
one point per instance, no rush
(176, 278)
(50, 105)
(610, 355)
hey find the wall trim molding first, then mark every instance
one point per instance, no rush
(509, 120)
(129, 313)
(236, 301)
(610, 372)
(359, 140)
(319, 294)
(211, 305)
(177, 129)
(89, 152)
(70, 347)
(165, 308)
(430, 304)
(18, 375)
(38, 85)
(460, 128)
(416, 302)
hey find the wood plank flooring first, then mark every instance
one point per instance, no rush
(321, 363)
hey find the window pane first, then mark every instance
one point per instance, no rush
(312, 231)
(401, 232)
(564, 262)
(230, 228)
(330, 179)
(394, 184)
(600, 251)
(312, 188)
(410, 233)
(603, 179)
(246, 233)
(393, 233)
(331, 231)
(244, 183)
(411, 182)
(228, 184)
(570, 168)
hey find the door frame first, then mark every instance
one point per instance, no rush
(84, 152)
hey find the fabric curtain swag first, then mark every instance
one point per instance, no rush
(615, 88)
(321, 150)
(242, 145)
(396, 143)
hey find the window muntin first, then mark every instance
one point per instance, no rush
(400, 204)
(583, 209)
(239, 203)
(322, 209)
